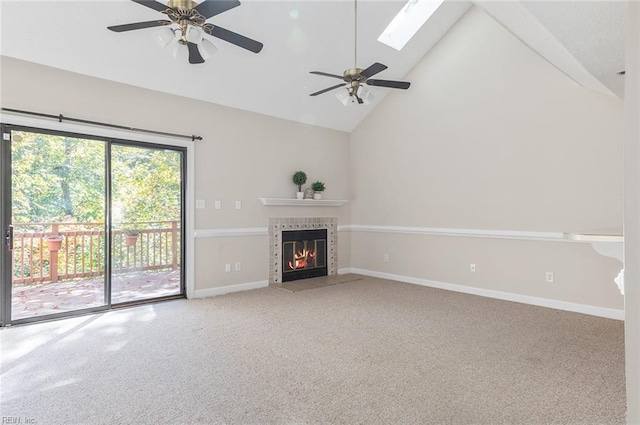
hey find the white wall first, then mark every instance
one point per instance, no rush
(243, 156)
(632, 214)
(490, 136)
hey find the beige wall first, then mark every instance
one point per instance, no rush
(243, 156)
(512, 266)
(490, 136)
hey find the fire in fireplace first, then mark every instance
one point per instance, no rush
(304, 254)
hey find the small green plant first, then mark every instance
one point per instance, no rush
(317, 186)
(300, 178)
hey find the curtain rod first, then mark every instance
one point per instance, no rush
(61, 117)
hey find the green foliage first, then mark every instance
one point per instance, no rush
(61, 179)
(317, 186)
(145, 185)
(300, 178)
(56, 178)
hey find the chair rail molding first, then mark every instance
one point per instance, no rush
(432, 231)
(474, 233)
(229, 232)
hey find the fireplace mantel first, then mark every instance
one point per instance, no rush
(303, 202)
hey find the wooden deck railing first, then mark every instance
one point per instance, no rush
(49, 252)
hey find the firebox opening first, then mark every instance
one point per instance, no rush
(304, 254)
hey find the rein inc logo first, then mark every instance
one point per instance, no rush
(17, 420)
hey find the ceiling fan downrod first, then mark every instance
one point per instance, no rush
(355, 37)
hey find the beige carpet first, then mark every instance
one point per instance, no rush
(363, 352)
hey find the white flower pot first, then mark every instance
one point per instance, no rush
(299, 195)
(317, 195)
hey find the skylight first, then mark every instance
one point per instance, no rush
(408, 21)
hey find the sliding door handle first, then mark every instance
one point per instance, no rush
(9, 238)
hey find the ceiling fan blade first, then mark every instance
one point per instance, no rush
(194, 54)
(327, 89)
(373, 70)
(391, 84)
(209, 8)
(327, 75)
(233, 38)
(138, 26)
(155, 5)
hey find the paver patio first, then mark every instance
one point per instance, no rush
(29, 300)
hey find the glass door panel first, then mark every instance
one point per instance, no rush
(146, 211)
(58, 216)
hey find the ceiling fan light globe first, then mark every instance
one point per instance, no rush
(344, 96)
(180, 52)
(163, 37)
(194, 34)
(207, 49)
(365, 94)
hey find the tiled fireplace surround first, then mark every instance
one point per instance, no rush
(279, 224)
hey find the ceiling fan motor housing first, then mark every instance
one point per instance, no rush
(182, 5)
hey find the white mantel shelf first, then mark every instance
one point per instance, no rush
(285, 202)
(607, 242)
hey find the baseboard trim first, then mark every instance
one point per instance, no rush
(608, 313)
(221, 290)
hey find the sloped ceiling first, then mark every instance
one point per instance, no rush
(594, 33)
(299, 36)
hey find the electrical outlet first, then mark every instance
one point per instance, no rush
(386, 258)
(217, 205)
(472, 267)
(238, 266)
(227, 267)
(200, 204)
(549, 277)
(238, 205)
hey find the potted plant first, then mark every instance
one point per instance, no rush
(54, 242)
(318, 188)
(131, 237)
(300, 178)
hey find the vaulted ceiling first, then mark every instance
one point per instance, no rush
(298, 36)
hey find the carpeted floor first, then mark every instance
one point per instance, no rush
(363, 352)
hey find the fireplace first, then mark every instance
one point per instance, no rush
(325, 256)
(304, 254)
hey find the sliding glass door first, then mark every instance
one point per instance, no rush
(90, 223)
(146, 200)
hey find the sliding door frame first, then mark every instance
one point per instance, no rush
(5, 201)
(109, 136)
(7, 259)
